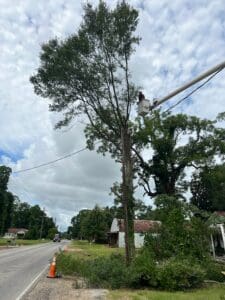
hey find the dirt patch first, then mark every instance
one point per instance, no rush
(63, 289)
(74, 250)
(7, 247)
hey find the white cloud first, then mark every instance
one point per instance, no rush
(179, 40)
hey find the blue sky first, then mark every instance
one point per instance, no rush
(180, 39)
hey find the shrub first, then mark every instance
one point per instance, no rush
(69, 265)
(142, 271)
(213, 270)
(179, 275)
(108, 272)
(181, 232)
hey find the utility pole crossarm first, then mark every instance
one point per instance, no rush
(190, 83)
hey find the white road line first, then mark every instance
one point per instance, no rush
(32, 283)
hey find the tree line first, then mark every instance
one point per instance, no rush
(14, 213)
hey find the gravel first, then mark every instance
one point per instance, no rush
(63, 289)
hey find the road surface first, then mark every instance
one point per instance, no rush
(19, 267)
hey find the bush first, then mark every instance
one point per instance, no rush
(179, 275)
(108, 272)
(142, 271)
(213, 271)
(69, 265)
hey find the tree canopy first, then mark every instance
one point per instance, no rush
(6, 199)
(208, 188)
(177, 141)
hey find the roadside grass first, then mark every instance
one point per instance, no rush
(76, 260)
(19, 242)
(213, 292)
(85, 250)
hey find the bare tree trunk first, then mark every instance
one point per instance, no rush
(127, 193)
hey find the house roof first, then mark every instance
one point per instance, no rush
(17, 230)
(140, 226)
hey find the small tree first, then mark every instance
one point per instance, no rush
(181, 234)
(208, 188)
(88, 73)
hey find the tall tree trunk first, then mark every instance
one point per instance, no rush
(127, 193)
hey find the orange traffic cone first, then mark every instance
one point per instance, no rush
(52, 270)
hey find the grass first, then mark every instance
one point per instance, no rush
(215, 292)
(79, 252)
(85, 250)
(19, 242)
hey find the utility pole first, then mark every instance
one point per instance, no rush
(144, 106)
(42, 223)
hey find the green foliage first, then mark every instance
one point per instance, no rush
(103, 271)
(179, 275)
(181, 234)
(108, 272)
(92, 225)
(6, 200)
(142, 271)
(213, 270)
(208, 188)
(4, 177)
(88, 73)
(32, 218)
(14, 213)
(201, 140)
(51, 233)
(70, 265)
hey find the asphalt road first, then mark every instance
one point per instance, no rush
(19, 267)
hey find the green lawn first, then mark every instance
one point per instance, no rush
(18, 242)
(83, 249)
(215, 292)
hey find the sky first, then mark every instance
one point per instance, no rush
(180, 39)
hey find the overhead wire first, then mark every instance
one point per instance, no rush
(85, 148)
(50, 162)
(193, 91)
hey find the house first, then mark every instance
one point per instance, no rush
(117, 232)
(14, 233)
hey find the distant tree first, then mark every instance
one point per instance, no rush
(77, 229)
(92, 225)
(208, 188)
(21, 214)
(4, 177)
(32, 218)
(52, 232)
(6, 200)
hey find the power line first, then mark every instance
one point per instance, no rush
(50, 162)
(193, 91)
(83, 149)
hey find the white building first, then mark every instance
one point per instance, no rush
(14, 233)
(117, 232)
